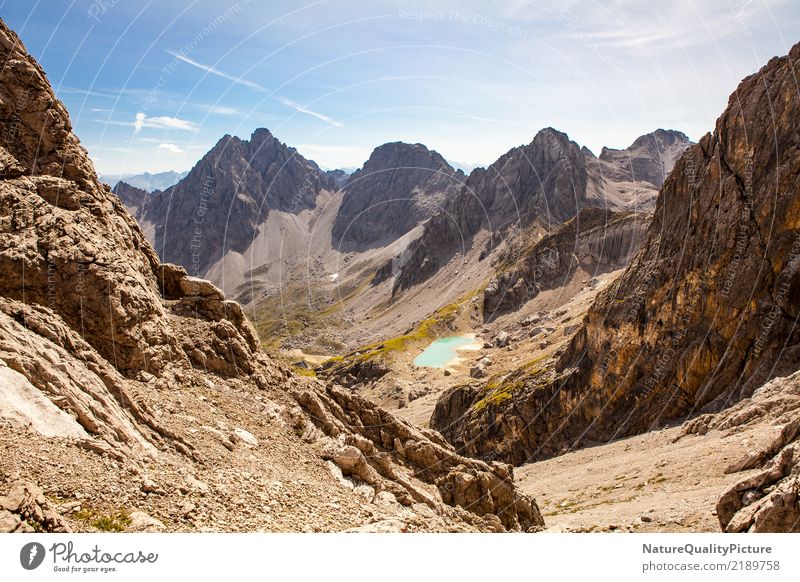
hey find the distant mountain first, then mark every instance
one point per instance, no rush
(544, 183)
(339, 177)
(650, 158)
(219, 206)
(145, 181)
(399, 187)
(465, 167)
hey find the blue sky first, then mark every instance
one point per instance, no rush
(152, 85)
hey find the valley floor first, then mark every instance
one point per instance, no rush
(662, 481)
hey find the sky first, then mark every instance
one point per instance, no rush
(152, 85)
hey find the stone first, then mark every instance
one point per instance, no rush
(245, 437)
(8, 521)
(142, 522)
(501, 339)
(150, 486)
(477, 371)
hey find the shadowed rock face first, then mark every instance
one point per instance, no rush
(220, 204)
(399, 187)
(703, 315)
(596, 237)
(134, 199)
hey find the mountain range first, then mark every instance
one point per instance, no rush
(237, 351)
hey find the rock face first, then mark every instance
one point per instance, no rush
(650, 158)
(134, 199)
(541, 184)
(381, 448)
(769, 500)
(133, 375)
(595, 237)
(701, 317)
(220, 204)
(399, 187)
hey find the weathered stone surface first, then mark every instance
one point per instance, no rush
(702, 316)
(25, 509)
(595, 238)
(378, 449)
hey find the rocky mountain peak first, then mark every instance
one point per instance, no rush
(400, 186)
(234, 187)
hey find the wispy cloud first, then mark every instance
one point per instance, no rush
(170, 147)
(311, 112)
(88, 92)
(223, 110)
(162, 122)
(214, 71)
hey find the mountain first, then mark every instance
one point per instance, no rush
(134, 199)
(139, 393)
(543, 183)
(400, 186)
(650, 158)
(339, 177)
(702, 316)
(219, 206)
(145, 181)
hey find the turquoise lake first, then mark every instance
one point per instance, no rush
(441, 351)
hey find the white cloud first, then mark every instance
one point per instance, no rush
(170, 147)
(307, 111)
(214, 71)
(222, 110)
(162, 122)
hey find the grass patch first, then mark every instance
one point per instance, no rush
(114, 522)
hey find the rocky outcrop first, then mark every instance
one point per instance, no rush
(220, 204)
(702, 316)
(25, 509)
(399, 187)
(769, 499)
(378, 449)
(594, 238)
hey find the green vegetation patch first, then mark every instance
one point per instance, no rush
(113, 522)
(502, 387)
